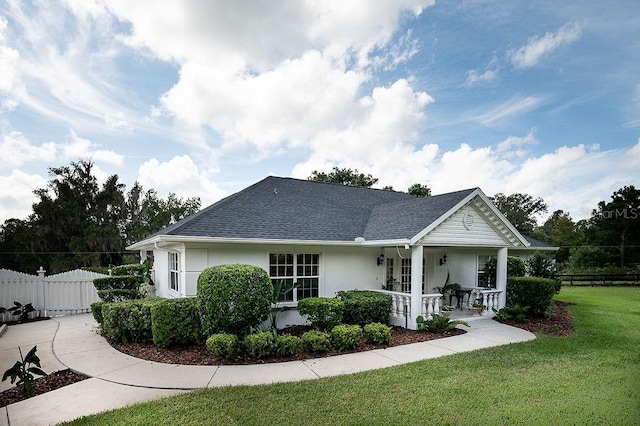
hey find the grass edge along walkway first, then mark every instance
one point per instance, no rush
(590, 377)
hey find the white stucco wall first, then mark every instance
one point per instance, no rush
(341, 268)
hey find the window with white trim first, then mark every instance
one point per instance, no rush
(302, 269)
(405, 275)
(174, 271)
(482, 261)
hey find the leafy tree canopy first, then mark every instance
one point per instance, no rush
(520, 210)
(419, 190)
(344, 176)
(78, 223)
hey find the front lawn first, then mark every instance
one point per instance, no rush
(590, 377)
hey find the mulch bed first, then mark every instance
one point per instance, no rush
(556, 323)
(199, 355)
(41, 385)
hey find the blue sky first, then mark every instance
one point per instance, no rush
(203, 98)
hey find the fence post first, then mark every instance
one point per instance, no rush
(40, 297)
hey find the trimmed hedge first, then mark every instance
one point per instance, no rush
(96, 311)
(135, 269)
(176, 322)
(345, 336)
(324, 313)
(234, 298)
(363, 307)
(118, 282)
(117, 295)
(316, 341)
(128, 321)
(377, 333)
(534, 292)
(258, 345)
(287, 345)
(223, 345)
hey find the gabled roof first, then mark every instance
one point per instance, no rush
(286, 209)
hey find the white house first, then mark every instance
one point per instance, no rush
(328, 237)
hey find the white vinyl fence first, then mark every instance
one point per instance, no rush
(67, 293)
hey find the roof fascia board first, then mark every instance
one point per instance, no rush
(504, 220)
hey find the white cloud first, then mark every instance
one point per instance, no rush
(17, 150)
(474, 78)
(282, 73)
(514, 145)
(538, 47)
(181, 176)
(16, 194)
(513, 107)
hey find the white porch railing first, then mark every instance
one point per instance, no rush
(401, 314)
(488, 297)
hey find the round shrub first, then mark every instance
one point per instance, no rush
(365, 306)
(287, 345)
(345, 336)
(534, 292)
(223, 345)
(258, 345)
(118, 295)
(324, 313)
(377, 333)
(316, 341)
(233, 298)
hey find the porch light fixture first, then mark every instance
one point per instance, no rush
(443, 260)
(381, 259)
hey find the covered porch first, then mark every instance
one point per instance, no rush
(415, 278)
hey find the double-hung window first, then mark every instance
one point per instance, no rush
(174, 270)
(302, 269)
(483, 280)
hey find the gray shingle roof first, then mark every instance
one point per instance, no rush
(284, 208)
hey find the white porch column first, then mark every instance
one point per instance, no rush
(417, 253)
(501, 276)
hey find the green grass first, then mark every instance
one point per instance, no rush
(591, 377)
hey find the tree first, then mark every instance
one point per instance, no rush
(78, 223)
(561, 231)
(419, 190)
(615, 226)
(344, 176)
(520, 210)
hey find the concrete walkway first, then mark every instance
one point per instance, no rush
(118, 380)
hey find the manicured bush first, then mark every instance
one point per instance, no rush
(128, 321)
(233, 298)
(134, 269)
(258, 345)
(96, 311)
(534, 292)
(541, 265)
(364, 306)
(117, 295)
(324, 313)
(287, 345)
(119, 282)
(345, 336)
(176, 322)
(316, 341)
(223, 345)
(377, 333)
